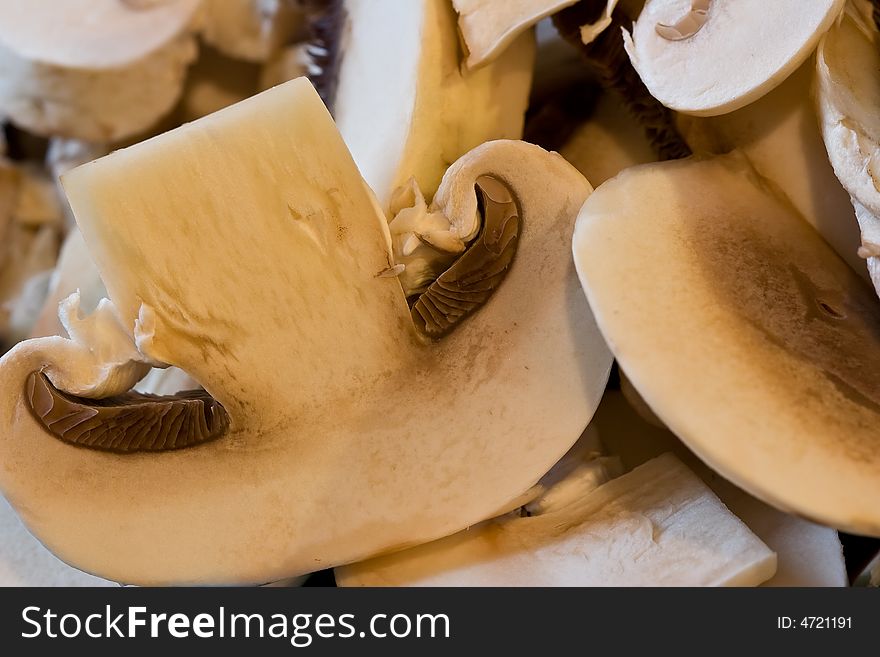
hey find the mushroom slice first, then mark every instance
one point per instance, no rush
(98, 70)
(403, 102)
(691, 53)
(350, 432)
(252, 30)
(489, 27)
(807, 554)
(785, 122)
(748, 337)
(658, 525)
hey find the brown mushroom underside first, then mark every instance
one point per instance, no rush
(472, 279)
(128, 423)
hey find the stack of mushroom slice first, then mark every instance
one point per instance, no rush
(690, 53)
(338, 422)
(99, 70)
(747, 336)
(657, 525)
(848, 92)
(392, 75)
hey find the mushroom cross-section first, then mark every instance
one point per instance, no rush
(245, 249)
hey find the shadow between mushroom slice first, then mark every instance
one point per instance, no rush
(344, 420)
(748, 337)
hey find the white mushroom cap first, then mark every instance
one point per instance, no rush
(729, 54)
(743, 331)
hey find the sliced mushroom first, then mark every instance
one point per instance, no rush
(780, 136)
(658, 525)
(402, 101)
(847, 93)
(489, 27)
(708, 58)
(98, 70)
(748, 337)
(342, 415)
(807, 554)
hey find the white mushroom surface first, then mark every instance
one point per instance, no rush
(405, 106)
(98, 70)
(342, 421)
(744, 332)
(251, 30)
(807, 554)
(708, 57)
(658, 525)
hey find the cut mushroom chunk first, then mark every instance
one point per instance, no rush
(335, 401)
(489, 27)
(690, 53)
(404, 105)
(658, 525)
(98, 70)
(773, 341)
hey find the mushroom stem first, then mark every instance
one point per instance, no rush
(609, 62)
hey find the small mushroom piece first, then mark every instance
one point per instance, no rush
(708, 58)
(847, 94)
(658, 525)
(251, 30)
(97, 70)
(489, 27)
(341, 413)
(743, 331)
(392, 75)
(807, 554)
